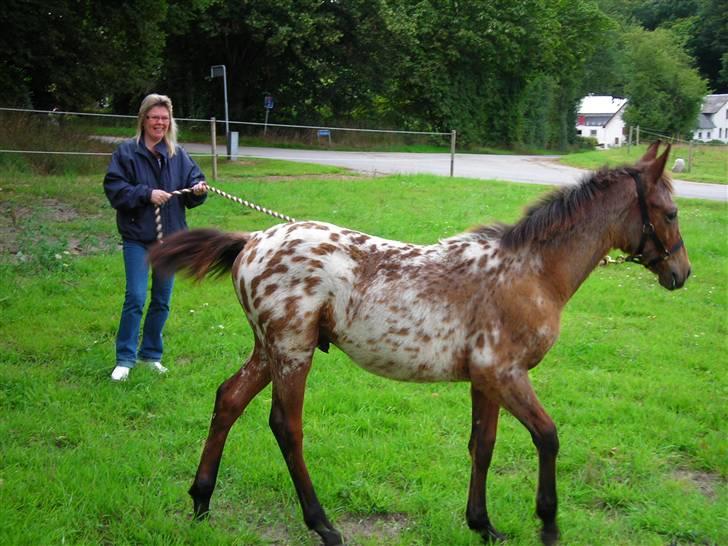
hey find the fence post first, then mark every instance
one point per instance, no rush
(690, 155)
(213, 134)
(638, 135)
(629, 142)
(453, 137)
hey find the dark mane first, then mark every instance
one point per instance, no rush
(555, 213)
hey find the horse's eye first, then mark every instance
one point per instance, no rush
(671, 216)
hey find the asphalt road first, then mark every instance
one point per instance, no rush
(512, 168)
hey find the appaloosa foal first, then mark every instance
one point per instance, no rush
(483, 306)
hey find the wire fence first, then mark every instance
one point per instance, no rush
(311, 136)
(693, 145)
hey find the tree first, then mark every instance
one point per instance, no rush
(665, 93)
(74, 54)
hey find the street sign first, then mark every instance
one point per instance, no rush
(268, 102)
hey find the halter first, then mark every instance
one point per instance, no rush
(648, 231)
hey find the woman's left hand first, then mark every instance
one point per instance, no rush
(200, 188)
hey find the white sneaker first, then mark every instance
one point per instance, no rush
(120, 373)
(157, 367)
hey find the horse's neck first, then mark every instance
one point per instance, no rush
(570, 260)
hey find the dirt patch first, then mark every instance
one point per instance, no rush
(705, 482)
(23, 228)
(380, 527)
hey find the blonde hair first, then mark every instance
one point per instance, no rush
(149, 102)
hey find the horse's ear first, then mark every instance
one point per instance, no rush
(651, 152)
(657, 167)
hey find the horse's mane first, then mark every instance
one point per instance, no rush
(555, 213)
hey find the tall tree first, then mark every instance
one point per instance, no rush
(76, 54)
(665, 93)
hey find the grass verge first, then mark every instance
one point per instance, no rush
(710, 163)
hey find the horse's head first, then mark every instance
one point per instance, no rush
(652, 232)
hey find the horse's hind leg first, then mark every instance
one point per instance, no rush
(286, 422)
(482, 440)
(232, 398)
(519, 398)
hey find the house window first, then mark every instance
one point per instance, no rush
(578, 132)
(700, 134)
(707, 135)
(593, 132)
(720, 133)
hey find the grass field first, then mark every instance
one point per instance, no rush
(709, 164)
(636, 384)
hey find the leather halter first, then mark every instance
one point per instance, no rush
(648, 230)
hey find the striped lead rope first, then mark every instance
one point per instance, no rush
(158, 210)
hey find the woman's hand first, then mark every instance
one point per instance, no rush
(160, 197)
(200, 188)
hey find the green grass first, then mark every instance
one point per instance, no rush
(710, 163)
(636, 384)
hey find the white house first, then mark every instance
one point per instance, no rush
(600, 117)
(713, 119)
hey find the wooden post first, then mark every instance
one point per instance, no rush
(213, 134)
(453, 138)
(638, 135)
(629, 142)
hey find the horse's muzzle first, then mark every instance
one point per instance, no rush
(674, 276)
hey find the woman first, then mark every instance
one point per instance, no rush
(142, 174)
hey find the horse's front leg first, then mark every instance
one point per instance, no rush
(286, 422)
(482, 440)
(520, 399)
(232, 398)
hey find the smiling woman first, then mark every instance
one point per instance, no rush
(142, 175)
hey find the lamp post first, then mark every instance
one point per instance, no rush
(215, 72)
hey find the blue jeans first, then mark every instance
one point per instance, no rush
(137, 276)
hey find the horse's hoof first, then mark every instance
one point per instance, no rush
(201, 511)
(202, 516)
(550, 535)
(491, 536)
(331, 537)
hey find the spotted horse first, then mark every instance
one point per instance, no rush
(483, 307)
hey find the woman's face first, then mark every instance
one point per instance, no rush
(156, 124)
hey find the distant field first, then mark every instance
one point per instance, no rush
(637, 385)
(710, 163)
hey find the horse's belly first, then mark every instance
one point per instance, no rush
(427, 362)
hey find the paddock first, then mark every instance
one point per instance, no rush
(636, 383)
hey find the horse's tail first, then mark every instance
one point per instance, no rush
(198, 252)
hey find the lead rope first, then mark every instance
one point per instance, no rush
(158, 211)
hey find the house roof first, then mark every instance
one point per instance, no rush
(601, 104)
(713, 103)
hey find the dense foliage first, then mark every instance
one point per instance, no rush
(499, 72)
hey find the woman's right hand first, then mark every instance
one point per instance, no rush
(160, 197)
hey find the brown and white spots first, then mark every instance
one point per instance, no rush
(399, 310)
(323, 249)
(309, 284)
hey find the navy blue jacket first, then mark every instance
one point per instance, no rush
(132, 175)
